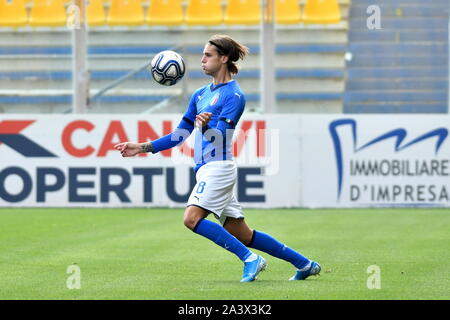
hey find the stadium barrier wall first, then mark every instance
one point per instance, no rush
(69, 160)
(283, 160)
(375, 160)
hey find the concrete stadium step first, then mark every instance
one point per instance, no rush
(125, 50)
(398, 36)
(397, 84)
(383, 48)
(248, 85)
(384, 108)
(384, 96)
(137, 96)
(395, 9)
(398, 60)
(405, 23)
(64, 97)
(114, 74)
(283, 106)
(170, 38)
(48, 62)
(397, 73)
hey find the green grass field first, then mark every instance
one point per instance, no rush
(149, 254)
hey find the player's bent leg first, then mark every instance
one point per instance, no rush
(239, 229)
(194, 219)
(192, 215)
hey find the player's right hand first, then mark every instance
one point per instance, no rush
(202, 119)
(128, 149)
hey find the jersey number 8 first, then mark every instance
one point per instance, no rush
(201, 187)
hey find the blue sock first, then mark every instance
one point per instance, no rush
(264, 242)
(222, 237)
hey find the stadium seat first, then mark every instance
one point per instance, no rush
(287, 12)
(48, 13)
(243, 12)
(204, 12)
(95, 13)
(126, 13)
(13, 13)
(321, 12)
(165, 12)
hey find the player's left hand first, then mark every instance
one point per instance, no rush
(128, 149)
(202, 119)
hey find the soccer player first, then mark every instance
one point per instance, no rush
(214, 111)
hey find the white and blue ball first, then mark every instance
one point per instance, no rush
(167, 67)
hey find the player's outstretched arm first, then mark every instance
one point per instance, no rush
(130, 149)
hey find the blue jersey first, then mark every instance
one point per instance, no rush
(226, 102)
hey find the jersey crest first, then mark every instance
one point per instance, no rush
(214, 99)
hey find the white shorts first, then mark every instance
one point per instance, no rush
(214, 190)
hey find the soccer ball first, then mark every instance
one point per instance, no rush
(167, 68)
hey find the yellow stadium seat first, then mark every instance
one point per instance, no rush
(125, 13)
(243, 12)
(165, 12)
(95, 13)
(204, 12)
(13, 13)
(287, 12)
(321, 12)
(48, 13)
